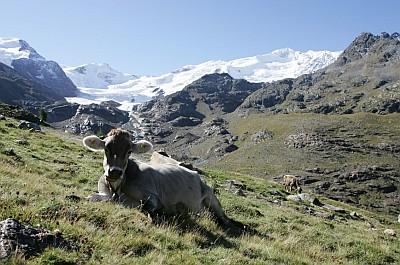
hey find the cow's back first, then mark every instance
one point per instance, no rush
(173, 185)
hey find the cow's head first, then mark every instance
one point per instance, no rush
(117, 148)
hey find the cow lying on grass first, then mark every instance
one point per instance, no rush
(291, 182)
(161, 157)
(157, 188)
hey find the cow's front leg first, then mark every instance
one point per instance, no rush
(104, 194)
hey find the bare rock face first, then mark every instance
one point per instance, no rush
(215, 93)
(341, 87)
(86, 119)
(16, 238)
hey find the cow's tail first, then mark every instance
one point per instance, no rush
(211, 202)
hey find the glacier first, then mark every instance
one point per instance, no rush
(276, 65)
(100, 82)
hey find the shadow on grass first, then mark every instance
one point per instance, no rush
(188, 224)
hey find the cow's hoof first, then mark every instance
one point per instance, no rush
(97, 198)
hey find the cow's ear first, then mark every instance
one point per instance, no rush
(93, 143)
(141, 146)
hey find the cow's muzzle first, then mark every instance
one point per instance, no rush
(114, 173)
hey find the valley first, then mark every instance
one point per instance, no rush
(330, 118)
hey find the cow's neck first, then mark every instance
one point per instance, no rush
(115, 186)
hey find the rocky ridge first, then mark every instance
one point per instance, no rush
(363, 79)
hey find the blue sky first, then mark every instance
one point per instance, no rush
(154, 37)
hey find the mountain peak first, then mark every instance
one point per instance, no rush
(96, 75)
(13, 48)
(363, 43)
(285, 52)
(19, 55)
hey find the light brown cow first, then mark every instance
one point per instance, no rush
(161, 157)
(165, 188)
(291, 182)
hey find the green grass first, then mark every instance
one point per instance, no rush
(273, 157)
(35, 181)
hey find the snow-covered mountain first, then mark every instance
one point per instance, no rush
(13, 49)
(19, 55)
(96, 75)
(279, 64)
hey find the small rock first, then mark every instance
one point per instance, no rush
(236, 184)
(73, 197)
(261, 136)
(178, 137)
(334, 208)
(240, 192)
(2, 117)
(371, 226)
(9, 152)
(325, 215)
(398, 218)
(303, 197)
(22, 142)
(355, 215)
(389, 232)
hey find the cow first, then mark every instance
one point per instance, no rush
(161, 157)
(156, 188)
(291, 182)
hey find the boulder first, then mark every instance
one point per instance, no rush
(2, 117)
(16, 238)
(230, 148)
(261, 136)
(185, 121)
(27, 125)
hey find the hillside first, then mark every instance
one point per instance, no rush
(40, 171)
